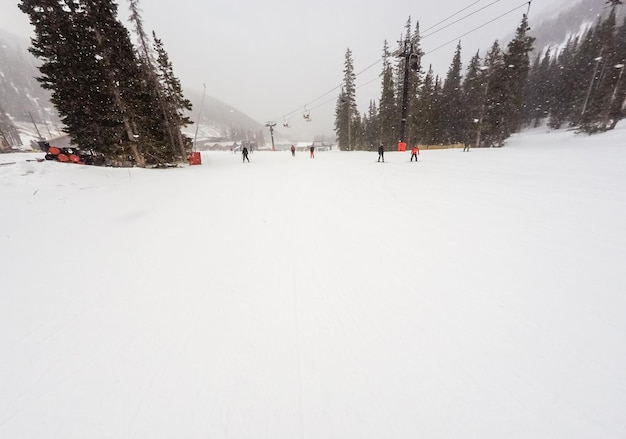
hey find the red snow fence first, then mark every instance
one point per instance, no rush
(194, 158)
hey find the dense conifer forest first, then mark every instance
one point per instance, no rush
(576, 84)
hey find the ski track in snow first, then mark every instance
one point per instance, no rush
(468, 295)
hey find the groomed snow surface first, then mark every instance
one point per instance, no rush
(470, 295)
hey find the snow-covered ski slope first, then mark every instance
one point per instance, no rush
(470, 295)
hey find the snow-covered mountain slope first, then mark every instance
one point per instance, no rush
(469, 295)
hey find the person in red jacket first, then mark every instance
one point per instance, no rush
(415, 151)
(293, 150)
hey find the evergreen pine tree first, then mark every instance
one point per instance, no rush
(387, 108)
(539, 92)
(599, 101)
(437, 112)
(160, 121)
(617, 102)
(452, 102)
(105, 94)
(474, 94)
(175, 105)
(122, 76)
(371, 127)
(425, 111)
(89, 66)
(586, 73)
(491, 130)
(563, 85)
(517, 68)
(357, 132)
(346, 106)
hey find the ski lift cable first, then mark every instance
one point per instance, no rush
(476, 28)
(451, 16)
(310, 102)
(368, 82)
(439, 30)
(380, 59)
(369, 67)
(334, 98)
(460, 36)
(460, 19)
(437, 48)
(431, 51)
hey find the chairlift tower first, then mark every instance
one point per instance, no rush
(271, 126)
(411, 63)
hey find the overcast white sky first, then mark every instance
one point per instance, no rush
(269, 59)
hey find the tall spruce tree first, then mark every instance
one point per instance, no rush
(175, 105)
(164, 87)
(452, 102)
(388, 109)
(473, 94)
(598, 100)
(564, 86)
(586, 74)
(122, 76)
(371, 126)
(617, 101)
(152, 84)
(346, 109)
(491, 130)
(516, 71)
(425, 111)
(539, 92)
(88, 64)
(105, 94)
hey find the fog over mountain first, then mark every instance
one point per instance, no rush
(22, 99)
(554, 29)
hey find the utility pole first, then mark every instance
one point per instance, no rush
(613, 95)
(271, 126)
(595, 72)
(33, 121)
(199, 114)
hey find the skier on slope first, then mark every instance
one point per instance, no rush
(415, 151)
(293, 151)
(381, 153)
(244, 153)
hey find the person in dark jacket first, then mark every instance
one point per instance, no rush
(244, 152)
(312, 151)
(381, 153)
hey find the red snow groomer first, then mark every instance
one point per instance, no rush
(68, 155)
